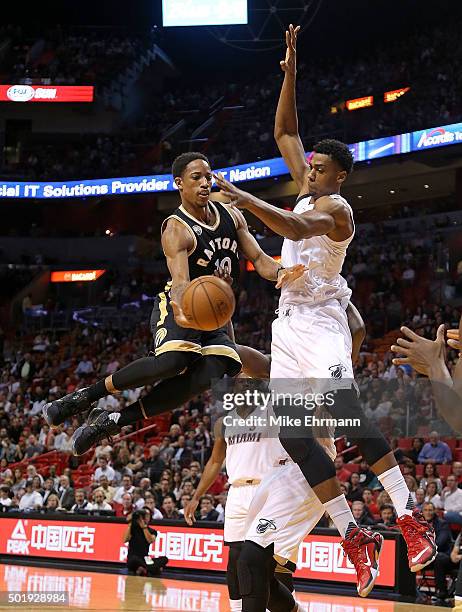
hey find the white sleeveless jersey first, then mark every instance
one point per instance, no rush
(324, 259)
(251, 451)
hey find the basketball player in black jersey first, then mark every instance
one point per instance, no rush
(200, 238)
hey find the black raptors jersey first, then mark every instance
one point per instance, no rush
(214, 246)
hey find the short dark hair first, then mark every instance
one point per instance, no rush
(339, 152)
(180, 162)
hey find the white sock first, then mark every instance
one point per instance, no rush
(235, 605)
(340, 513)
(394, 484)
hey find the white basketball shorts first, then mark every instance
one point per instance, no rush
(236, 511)
(313, 344)
(283, 511)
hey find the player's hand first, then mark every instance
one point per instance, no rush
(419, 352)
(289, 64)
(190, 510)
(454, 337)
(228, 190)
(290, 274)
(180, 316)
(224, 275)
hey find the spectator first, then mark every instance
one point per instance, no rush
(206, 510)
(435, 451)
(419, 498)
(361, 514)
(136, 462)
(342, 473)
(443, 542)
(187, 488)
(431, 495)
(126, 507)
(81, 502)
(85, 367)
(33, 448)
(126, 487)
(104, 468)
(154, 464)
(457, 471)
(387, 517)
(5, 499)
(52, 503)
(443, 565)
(452, 501)
(48, 489)
(356, 492)
(108, 491)
(414, 452)
(66, 493)
(150, 503)
(166, 451)
(367, 478)
(371, 505)
(99, 503)
(138, 499)
(140, 537)
(168, 508)
(431, 475)
(163, 490)
(31, 500)
(184, 501)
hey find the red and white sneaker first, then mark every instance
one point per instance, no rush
(363, 550)
(420, 539)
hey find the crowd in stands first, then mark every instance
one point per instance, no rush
(59, 56)
(245, 133)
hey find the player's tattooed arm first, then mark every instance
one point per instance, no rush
(286, 121)
(357, 329)
(176, 243)
(265, 265)
(211, 470)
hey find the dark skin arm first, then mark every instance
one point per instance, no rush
(286, 121)
(357, 329)
(330, 217)
(211, 471)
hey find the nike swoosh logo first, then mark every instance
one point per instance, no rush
(369, 564)
(415, 559)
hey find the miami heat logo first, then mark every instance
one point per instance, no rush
(264, 525)
(336, 371)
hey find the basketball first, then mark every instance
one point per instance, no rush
(208, 302)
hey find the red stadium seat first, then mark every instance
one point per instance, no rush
(457, 454)
(444, 471)
(451, 442)
(419, 468)
(405, 443)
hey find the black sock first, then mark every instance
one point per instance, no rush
(144, 371)
(172, 393)
(97, 391)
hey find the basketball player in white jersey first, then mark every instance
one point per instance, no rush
(310, 337)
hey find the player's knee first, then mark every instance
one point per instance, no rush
(231, 571)
(252, 569)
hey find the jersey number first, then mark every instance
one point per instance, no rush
(224, 265)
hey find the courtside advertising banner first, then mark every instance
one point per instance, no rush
(320, 557)
(46, 93)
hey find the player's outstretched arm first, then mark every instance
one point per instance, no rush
(211, 470)
(357, 329)
(254, 363)
(265, 265)
(328, 216)
(428, 358)
(176, 242)
(286, 121)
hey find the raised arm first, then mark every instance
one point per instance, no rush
(286, 121)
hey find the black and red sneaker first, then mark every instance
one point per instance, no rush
(420, 539)
(363, 549)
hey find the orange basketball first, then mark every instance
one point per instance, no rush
(208, 302)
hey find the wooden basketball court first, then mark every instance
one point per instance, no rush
(108, 592)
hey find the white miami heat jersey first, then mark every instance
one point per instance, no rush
(251, 451)
(324, 259)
